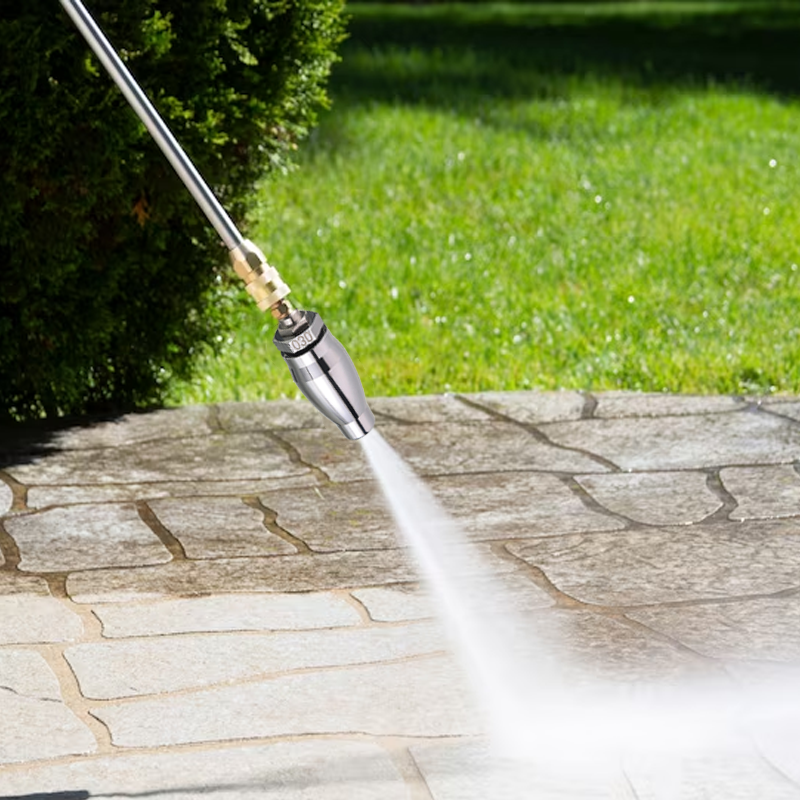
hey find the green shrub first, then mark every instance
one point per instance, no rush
(110, 277)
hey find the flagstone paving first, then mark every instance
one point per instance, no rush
(214, 601)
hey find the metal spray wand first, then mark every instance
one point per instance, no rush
(319, 364)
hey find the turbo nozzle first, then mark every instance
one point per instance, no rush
(324, 372)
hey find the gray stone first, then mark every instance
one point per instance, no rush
(655, 498)
(424, 408)
(786, 408)
(472, 770)
(763, 492)
(207, 458)
(274, 415)
(227, 612)
(111, 670)
(486, 447)
(301, 770)
(36, 723)
(6, 498)
(757, 628)
(689, 442)
(28, 619)
(300, 573)
(395, 604)
(707, 561)
(44, 496)
(425, 697)
(339, 458)
(82, 537)
(218, 527)
(533, 407)
(611, 405)
(169, 423)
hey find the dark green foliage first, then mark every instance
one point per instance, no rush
(110, 277)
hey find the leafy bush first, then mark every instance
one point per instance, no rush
(110, 277)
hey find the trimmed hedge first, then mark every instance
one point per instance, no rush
(110, 277)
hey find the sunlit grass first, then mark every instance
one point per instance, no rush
(470, 218)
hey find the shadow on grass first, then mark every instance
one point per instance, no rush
(459, 56)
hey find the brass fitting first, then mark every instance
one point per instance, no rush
(263, 283)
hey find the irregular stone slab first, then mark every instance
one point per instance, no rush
(85, 537)
(655, 498)
(612, 405)
(785, 408)
(228, 612)
(12, 583)
(339, 458)
(473, 771)
(239, 456)
(6, 498)
(487, 447)
(707, 561)
(426, 697)
(44, 496)
(533, 407)
(111, 670)
(36, 723)
(763, 492)
(168, 423)
(425, 408)
(29, 619)
(303, 770)
(396, 604)
(353, 516)
(218, 527)
(270, 416)
(300, 573)
(763, 629)
(690, 442)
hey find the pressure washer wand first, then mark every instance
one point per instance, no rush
(319, 364)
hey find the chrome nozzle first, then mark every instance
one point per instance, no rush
(324, 372)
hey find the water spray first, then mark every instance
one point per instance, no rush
(319, 364)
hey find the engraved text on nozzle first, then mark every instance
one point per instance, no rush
(324, 372)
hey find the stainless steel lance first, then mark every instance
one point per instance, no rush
(319, 364)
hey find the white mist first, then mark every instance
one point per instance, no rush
(596, 740)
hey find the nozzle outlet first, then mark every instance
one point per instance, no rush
(324, 372)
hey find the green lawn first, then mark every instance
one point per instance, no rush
(516, 196)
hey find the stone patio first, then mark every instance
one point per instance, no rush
(213, 601)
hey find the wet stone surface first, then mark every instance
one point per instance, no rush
(763, 492)
(654, 498)
(83, 537)
(301, 573)
(684, 442)
(218, 527)
(251, 455)
(532, 407)
(214, 600)
(674, 564)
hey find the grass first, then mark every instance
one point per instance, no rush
(598, 196)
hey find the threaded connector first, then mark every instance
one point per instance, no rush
(263, 283)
